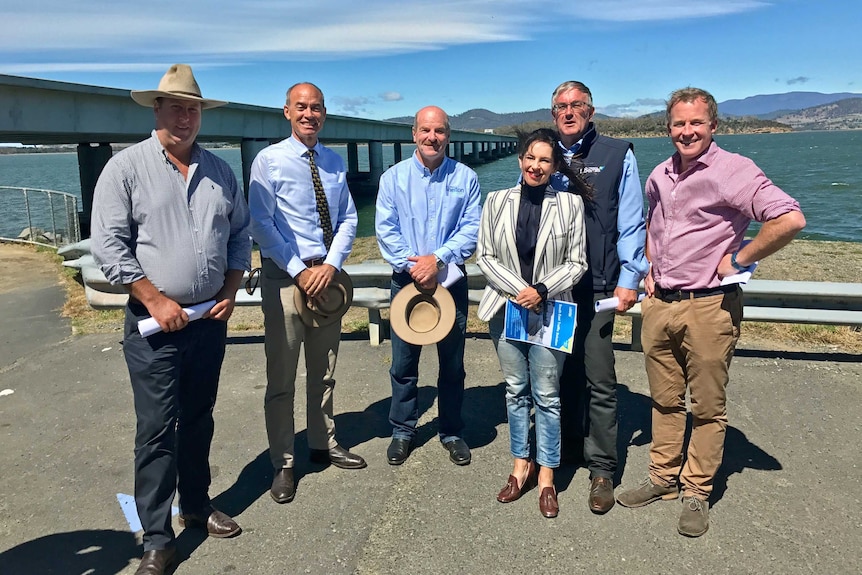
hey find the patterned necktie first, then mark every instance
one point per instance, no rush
(322, 205)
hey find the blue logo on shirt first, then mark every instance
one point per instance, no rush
(455, 191)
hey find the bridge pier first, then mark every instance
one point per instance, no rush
(91, 162)
(248, 150)
(375, 162)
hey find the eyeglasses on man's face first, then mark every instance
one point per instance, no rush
(575, 106)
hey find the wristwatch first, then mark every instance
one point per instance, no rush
(736, 265)
(440, 263)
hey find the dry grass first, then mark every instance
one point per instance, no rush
(801, 260)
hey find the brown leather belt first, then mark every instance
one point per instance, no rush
(672, 295)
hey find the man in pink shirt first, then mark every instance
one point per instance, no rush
(701, 201)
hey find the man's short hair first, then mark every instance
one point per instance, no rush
(289, 90)
(571, 85)
(689, 94)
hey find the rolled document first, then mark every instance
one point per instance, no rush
(149, 326)
(449, 275)
(612, 303)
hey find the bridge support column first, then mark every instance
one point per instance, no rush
(375, 161)
(459, 151)
(352, 158)
(396, 152)
(248, 150)
(474, 154)
(91, 162)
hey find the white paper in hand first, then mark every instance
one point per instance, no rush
(149, 326)
(449, 275)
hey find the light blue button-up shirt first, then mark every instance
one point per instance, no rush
(630, 218)
(284, 218)
(420, 212)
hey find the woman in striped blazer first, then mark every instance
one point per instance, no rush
(532, 249)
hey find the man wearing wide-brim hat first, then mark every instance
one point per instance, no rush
(427, 218)
(304, 219)
(170, 225)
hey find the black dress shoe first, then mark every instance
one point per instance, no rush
(459, 453)
(399, 451)
(283, 488)
(337, 456)
(157, 561)
(216, 523)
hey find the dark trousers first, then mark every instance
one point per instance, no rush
(174, 382)
(404, 373)
(588, 389)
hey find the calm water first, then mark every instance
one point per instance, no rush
(820, 169)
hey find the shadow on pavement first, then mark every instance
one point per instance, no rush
(635, 430)
(96, 552)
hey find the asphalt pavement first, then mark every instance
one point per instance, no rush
(787, 497)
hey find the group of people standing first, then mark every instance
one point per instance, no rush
(171, 225)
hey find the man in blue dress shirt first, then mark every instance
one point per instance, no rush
(616, 234)
(304, 240)
(428, 217)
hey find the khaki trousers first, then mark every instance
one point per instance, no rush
(284, 335)
(689, 343)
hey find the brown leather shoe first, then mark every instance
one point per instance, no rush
(601, 497)
(511, 491)
(157, 561)
(214, 521)
(548, 502)
(283, 488)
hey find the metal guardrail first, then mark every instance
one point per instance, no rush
(41, 217)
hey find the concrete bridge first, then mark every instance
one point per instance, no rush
(93, 117)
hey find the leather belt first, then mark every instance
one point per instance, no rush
(672, 295)
(314, 262)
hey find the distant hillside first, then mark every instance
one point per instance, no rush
(841, 115)
(480, 119)
(764, 104)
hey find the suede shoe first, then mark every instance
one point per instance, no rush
(157, 561)
(694, 519)
(337, 456)
(646, 493)
(601, 497)
(398, 451)
(459, 453)
(216, 523)
(283, 488)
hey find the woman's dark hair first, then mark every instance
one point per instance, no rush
(577, 184)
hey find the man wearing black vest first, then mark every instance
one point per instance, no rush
(615, 242)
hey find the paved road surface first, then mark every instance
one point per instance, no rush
(787, 499)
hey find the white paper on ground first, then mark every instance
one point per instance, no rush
(449, 275)
(149, 326)
(612, 303)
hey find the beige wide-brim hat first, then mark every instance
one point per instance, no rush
(178, 82)
(339, 297)
(421, 316)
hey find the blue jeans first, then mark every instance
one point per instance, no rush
(532, 374)
(404, 373)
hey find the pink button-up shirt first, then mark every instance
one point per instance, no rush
(697, 217)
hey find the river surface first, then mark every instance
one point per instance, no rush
(820, 169)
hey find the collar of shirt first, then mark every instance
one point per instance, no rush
(706, 158)
(301, 149)
(417, 163)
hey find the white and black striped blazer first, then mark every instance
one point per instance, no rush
(560, 258)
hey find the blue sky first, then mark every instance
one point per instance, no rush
(377, 59)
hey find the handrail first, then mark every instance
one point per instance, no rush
(40, 215)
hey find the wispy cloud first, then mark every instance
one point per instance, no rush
(391, 96)
(57, 35)
(798, 80)
(636, 108)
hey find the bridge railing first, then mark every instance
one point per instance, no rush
(41, 217)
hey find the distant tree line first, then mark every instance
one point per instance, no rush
(654, 126)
